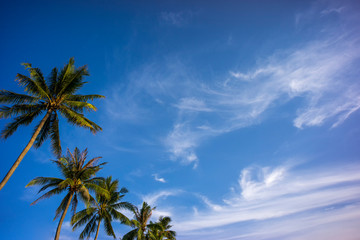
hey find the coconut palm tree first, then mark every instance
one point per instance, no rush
(104, 210)
(140, 223)
(78, 180)
(55, 94)
(161, 230)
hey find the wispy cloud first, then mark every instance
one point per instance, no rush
(153, 198)
(159, 179)
(320, 74)
(282, 201)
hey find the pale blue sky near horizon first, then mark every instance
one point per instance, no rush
(239, 119)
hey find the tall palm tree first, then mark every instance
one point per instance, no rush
(161, 230)
(140, 223)
(78, 180)
(55, 94)
(103, 209)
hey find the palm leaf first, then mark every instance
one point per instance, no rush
(18, 109)
(37, 76)
(83, 98)
(55, 136)
(78, 119)
(31, 86)
(24, 119)
(16, 98)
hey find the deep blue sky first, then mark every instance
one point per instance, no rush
(239, 119)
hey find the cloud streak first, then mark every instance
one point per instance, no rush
(282, 202)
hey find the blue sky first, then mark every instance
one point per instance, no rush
(239, 119)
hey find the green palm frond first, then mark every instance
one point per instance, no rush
(50, 193)
(84, 98)
(89, 228)
(78, 119)
(74, 203)
(24, 119)
(130, 235)
(63, 74)
(73, 81)
(82, 217)
(52, 81)
(44, 132)
(37, 76)
(19, 109)
(31, 86)
(63, 204)
(55, 135)
(42, 181)
(16, 98)
(79, 106)
(107, 225)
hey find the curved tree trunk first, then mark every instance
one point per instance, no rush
(97, 231)
(26, 149)
(62, 217)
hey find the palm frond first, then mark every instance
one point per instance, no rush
(55, 136)
(83, 98)
(44, 132)
(24, 119)
(52, 81)
(73, 81)
(108, 227)
(80, 218)
(78, 119)
(63, 204)
(130, 235)
(79, 106)
(89, 228)
(74, 203)
(63, 74)
(32, 86)
(37, 76)
(18, 109)
(49, 194)
(16, 98)
(42, 181)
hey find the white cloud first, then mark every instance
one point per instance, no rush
(192, 104)
(282, 201)
(153, 198)
(159, 179)
(323, 73)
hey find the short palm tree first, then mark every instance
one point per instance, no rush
(161, 230)
(55, 94)
(78, 180)
(140, 223)
(103, 209)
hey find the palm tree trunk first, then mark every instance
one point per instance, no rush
(26, 149)
(97, 231)
(62, 217)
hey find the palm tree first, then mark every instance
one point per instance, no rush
(78, 180)
(103, 209)
(55, 94)
(161, 230)
(140, 223)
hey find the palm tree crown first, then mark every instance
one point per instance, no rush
(78, 180)
(104, 209)
(161, 230)
(55, 94)
(140, 223)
